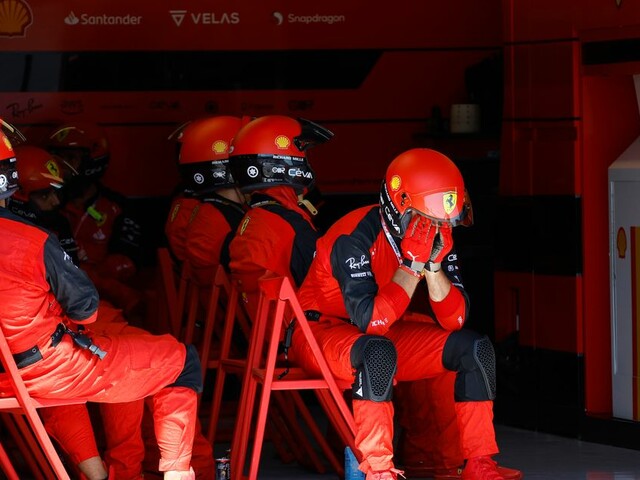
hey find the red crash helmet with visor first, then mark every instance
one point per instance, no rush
(38, 171)
(203, 156)
(426, 182)
(271, 150)
(83, 147)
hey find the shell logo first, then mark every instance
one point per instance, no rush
(449, 201)
(15, 17)
(7, 143)
(219, 147)
(282, 141)
(395, 183)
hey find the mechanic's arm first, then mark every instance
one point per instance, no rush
(447, 297)
(71, 286)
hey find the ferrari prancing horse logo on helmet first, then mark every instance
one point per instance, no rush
(53, 168)
(449, 201)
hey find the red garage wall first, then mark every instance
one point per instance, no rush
(416, 55)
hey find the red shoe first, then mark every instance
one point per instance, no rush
(456, 473)
(391, 474)
(484, 468)
(422, 471)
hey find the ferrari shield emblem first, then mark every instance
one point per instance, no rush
(53, 168)
(449, 201)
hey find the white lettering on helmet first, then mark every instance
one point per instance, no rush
(296, 172)
(392, 221)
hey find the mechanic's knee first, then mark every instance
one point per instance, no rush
(191, 375)
(472, 356)
(375, 360)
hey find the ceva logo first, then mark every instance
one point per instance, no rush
(15, 17)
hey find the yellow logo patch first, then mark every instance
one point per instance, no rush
(282, 141)
(219, 147)
(244, 225)
(53, 168)
(396, 182)
(449, 201)
(7, 143)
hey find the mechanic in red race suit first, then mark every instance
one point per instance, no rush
(109, 238)
(46, 298)
(269, 162)
(366, 270)
(201, 233)
(202, 153)
(36, 200)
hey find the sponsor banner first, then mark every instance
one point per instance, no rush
(244, 24)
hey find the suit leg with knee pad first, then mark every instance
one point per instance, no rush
(375, 360)
(472, 356)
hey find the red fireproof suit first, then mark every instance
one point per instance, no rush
(182, 211)
(208, 236)
(275, 236)
(349, 283)
(41, 288)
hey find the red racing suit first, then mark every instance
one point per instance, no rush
(275, 236)
(182, 211)
(209, 234)
(349, 285)
(41, 288)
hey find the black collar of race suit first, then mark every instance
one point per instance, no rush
(261, 199)
(213, 197)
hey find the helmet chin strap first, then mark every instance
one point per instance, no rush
(308, 205)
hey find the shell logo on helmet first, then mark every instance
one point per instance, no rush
(449, 201)
(7, 143)
(282, 141)
(219, 147)
(396, 182)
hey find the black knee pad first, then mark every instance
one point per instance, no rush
(472, 356)
(375, 360)
(191, 375)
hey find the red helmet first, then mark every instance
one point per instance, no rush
(37, 170)
(427, 182)
(8, 163)
(271, 150)
(204, 153)
(83, 147)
